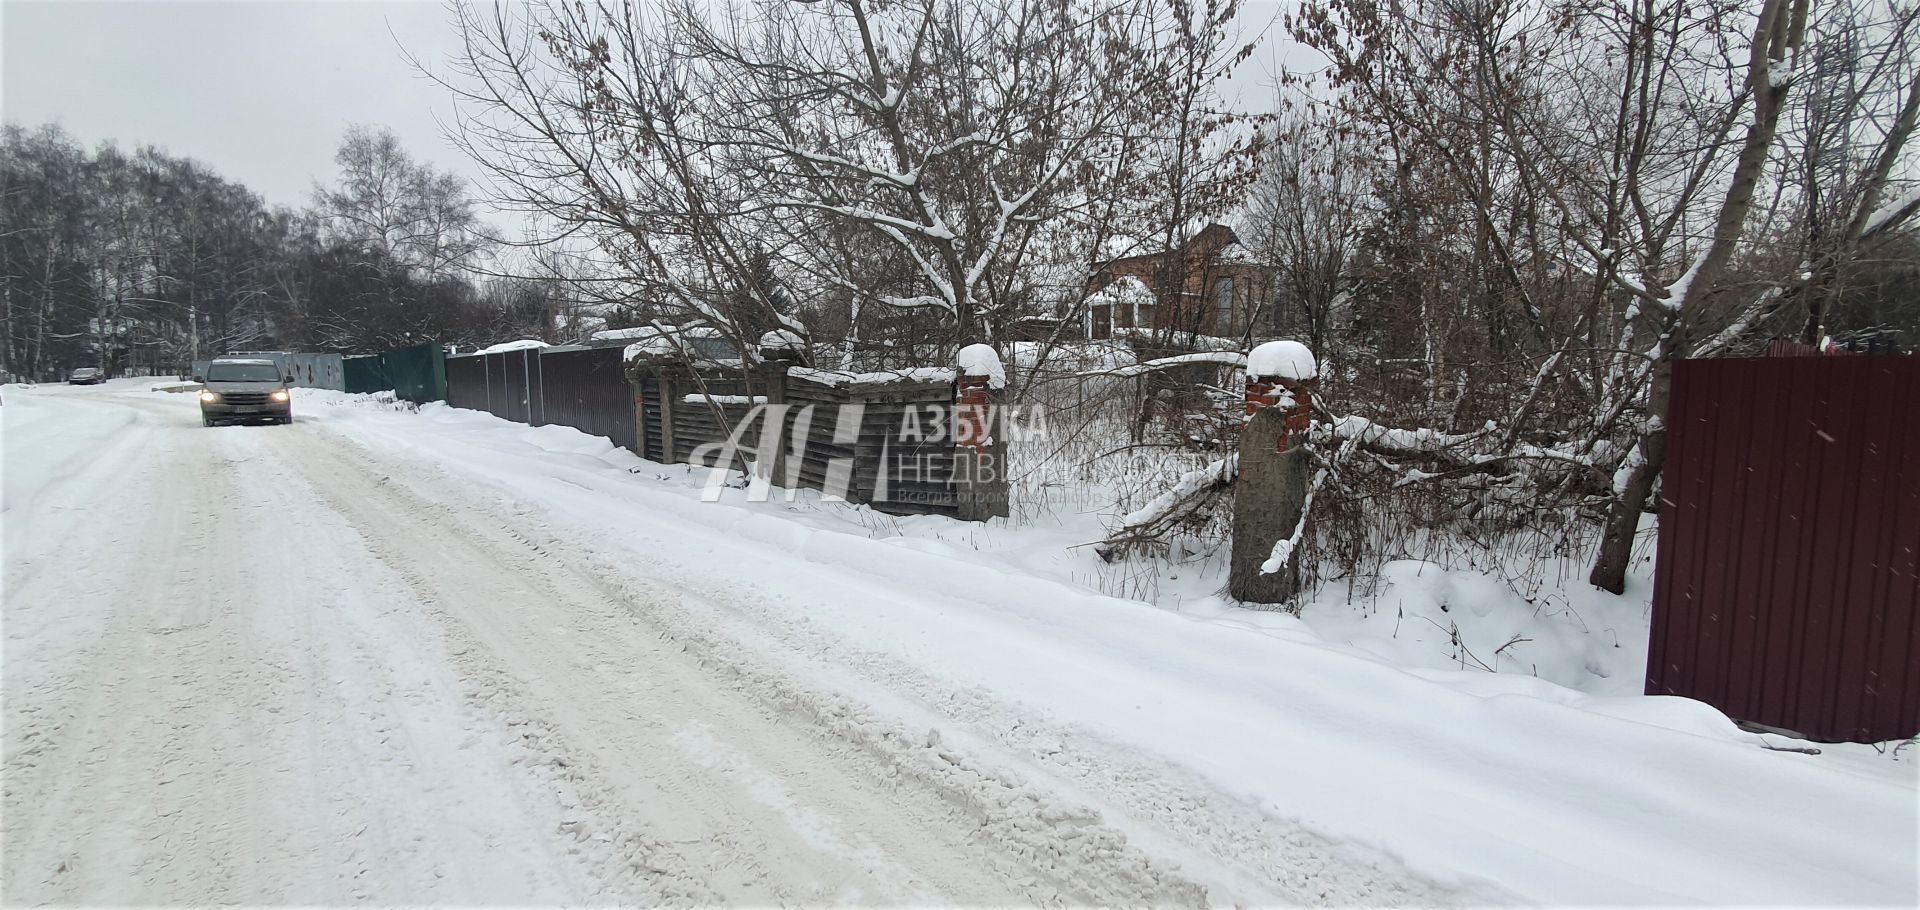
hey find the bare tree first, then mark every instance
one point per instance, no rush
(1307, 216)
(403, 210)
(1618, 147)
(927, 156)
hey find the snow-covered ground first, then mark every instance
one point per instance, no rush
(438, 657)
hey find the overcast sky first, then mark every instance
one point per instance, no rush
(261, 90)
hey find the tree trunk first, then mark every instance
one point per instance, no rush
(1777, 36)
(1623, 521)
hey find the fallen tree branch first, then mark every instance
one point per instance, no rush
(1190, 500)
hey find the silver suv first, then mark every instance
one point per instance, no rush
(245, 390)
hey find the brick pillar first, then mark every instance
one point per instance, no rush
(979, 456)
(1270, 495)
(1296, 398)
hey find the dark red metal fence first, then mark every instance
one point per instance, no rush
(1788, 579)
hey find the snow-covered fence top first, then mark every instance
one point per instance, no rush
(848, 379)
(523, 344)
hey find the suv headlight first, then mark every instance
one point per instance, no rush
(278, 395)
(209, 396)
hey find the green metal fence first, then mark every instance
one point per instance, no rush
(366, 374)
(418, 373)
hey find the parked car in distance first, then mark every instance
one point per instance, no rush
(86, 376)
(242, 390)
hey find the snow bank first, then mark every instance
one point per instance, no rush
(1282, 360)
(1244, 745)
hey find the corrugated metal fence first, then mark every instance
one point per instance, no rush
(1788, 579)
(309, 371)
(365, 373)
(317, 371)
(843, 433)
(583, 388)
(418, 372)
(880, 439)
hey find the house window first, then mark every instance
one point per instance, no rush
(1223, 302)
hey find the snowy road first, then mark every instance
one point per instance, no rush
(391, 657)
(242, 666)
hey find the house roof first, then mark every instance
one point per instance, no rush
(1139, 250)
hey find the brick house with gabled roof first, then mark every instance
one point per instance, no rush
(1224, 289)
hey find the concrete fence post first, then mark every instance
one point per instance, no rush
(1271, 494)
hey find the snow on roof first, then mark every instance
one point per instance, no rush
(1122, 292)
(523, 344)
(247, 360)
(657, 345)
(1237, 252)
(982, 360)
(1121, 246)
(627, 334)
(1282, 360)
(782, 340)
(704, 344)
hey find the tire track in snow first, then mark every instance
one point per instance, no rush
(622, 688)
(1245, 851)
(218, 698)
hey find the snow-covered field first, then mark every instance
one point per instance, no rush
(436, 657)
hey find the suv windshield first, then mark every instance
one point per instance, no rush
(243, 372)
